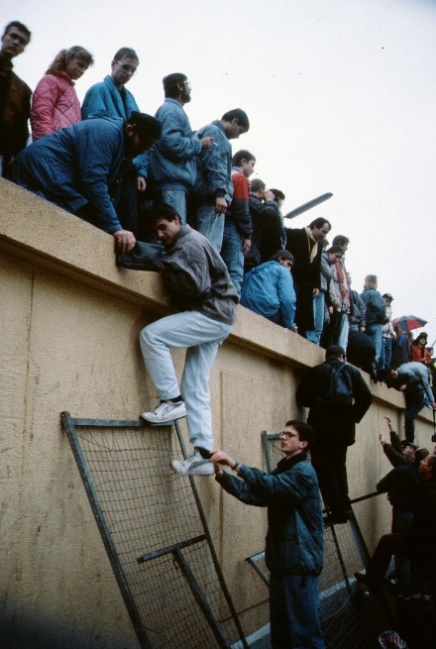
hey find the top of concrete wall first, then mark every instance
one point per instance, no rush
(42, 234)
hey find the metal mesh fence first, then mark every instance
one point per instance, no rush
(153, 528)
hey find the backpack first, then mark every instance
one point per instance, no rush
(339, 386)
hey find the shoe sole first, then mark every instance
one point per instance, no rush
(204, 470)
(160, 420)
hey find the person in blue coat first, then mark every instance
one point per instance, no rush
(268, 289)
(79, 168)
(110, 98)
(295, 537)
(213, 190)
(173, 167)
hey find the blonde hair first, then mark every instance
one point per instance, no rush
(61, 59)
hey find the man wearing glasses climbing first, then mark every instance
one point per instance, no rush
(294, 541)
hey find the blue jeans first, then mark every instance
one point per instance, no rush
(231, 252)
(318, 319)
(294, 612)
(210, 224)
(201, 336)
(177, 199)
(386, 357)
(374, 331)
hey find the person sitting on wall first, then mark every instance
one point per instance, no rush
(79, 168)
(268, 290)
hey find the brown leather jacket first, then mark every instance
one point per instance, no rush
(15, 115)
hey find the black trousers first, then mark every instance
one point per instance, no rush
(329, 462)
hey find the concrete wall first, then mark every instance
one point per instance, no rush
(69, 323)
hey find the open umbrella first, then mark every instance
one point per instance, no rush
(409, 322)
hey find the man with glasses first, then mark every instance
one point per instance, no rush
(14, 97)
(295, 537)
(110, 98)
(173, 168)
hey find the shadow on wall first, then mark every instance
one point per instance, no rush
(37, 633)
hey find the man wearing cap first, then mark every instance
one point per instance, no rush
(388, 334)
(79, 168)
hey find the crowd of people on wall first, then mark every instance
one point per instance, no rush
(185, 202)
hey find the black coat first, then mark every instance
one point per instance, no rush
(307, 276)
(333, 422)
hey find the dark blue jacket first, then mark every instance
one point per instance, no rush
(78, 165)
(173, 158)
(295, 538)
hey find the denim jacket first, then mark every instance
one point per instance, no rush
(295, 538)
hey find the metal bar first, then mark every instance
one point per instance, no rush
(170, 548)
(211, 545)
(108, 423)
(201, 600)
(252, 561)
(82, 465)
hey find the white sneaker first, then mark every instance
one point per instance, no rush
(165, 411)
(193, 465)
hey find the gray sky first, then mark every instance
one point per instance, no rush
(341, 96)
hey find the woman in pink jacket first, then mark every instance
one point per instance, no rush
(55, 104)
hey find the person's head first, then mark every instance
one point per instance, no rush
(74, 61)
(279, 196)
(284, 257)
(245, 161)
(141, 132)
(370, 281)
(335, 254)
(176, 86)
(166, 223)
(14, 40)
(123, 66)
(320, 228)
(427, 468)
(296, 437)
(421, 339)
(408, 448)
(342, 241)
(388, 299)
(235, 123)
(335, 352)
(258, 187)
(420, 454)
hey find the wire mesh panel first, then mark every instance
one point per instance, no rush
(154, 531)
(349, 618)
